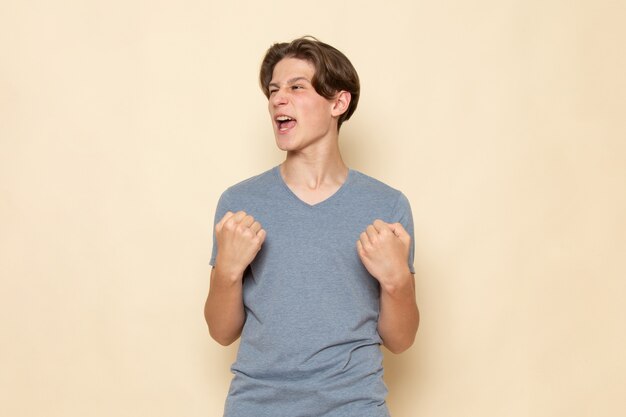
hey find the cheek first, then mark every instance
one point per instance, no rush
(318, 111)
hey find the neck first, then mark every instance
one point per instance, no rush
(314, 169)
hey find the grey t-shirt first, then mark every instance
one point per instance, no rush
(310, 345)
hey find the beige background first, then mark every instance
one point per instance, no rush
(121, 122)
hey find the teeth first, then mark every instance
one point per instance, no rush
(283, 118)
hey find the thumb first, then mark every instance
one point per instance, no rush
(399, 231)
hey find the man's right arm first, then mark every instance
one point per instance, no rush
(223, 310)
(239, 238)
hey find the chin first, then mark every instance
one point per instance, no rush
(285, 144)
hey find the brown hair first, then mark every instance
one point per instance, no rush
(333, 71)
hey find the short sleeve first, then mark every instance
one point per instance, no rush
(402, 214)
(223, 205)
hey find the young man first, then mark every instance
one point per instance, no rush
(312, 261)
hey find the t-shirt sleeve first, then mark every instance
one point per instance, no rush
(223, 205)
(402, 214)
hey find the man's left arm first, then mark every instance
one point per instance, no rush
(384, 250)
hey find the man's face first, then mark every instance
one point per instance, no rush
(300, 116)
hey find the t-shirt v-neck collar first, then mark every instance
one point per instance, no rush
(332, 197)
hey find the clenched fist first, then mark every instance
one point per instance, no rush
(239, 239)
(384, 250)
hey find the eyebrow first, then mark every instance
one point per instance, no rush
(290, 81)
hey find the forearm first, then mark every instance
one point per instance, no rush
(223, 310)
(399, 317)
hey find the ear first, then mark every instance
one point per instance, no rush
(341, 103)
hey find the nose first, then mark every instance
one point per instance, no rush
(278, 97)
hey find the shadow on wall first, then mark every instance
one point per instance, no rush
(220, 362)
(358, 143)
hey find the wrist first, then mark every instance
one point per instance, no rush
(397, 283)
(227, 275)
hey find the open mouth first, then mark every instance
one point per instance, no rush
(285, 123)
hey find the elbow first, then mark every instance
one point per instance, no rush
(219, 335)
(402, 343)
(399, 347)
(224, 341)
(221, 338)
